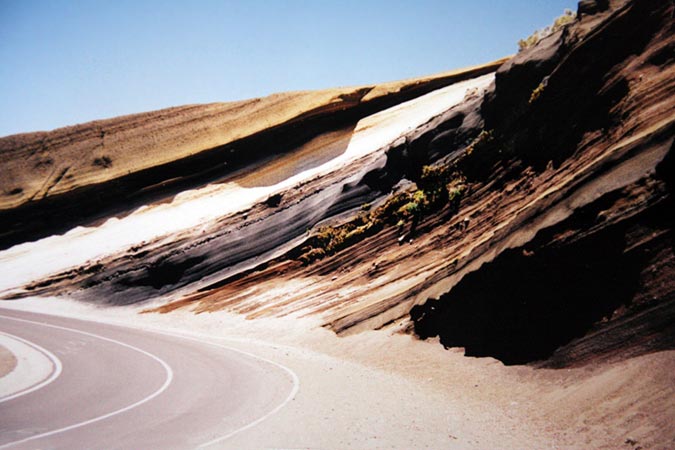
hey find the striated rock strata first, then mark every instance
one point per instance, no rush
(524, 215)
(55, 180)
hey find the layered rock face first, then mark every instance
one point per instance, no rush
(523, 214)
(55, 180)
(244, 219)
(583, 125)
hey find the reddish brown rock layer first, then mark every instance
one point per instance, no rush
(55, 180)
(561, 248)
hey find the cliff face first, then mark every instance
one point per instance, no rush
(524, 215)
(55, 180)
(587, 133)
(248, 218)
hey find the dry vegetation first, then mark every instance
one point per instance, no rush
(558, 24)
(437, 187)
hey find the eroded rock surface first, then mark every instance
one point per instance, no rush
(524, 215)
(75, 175)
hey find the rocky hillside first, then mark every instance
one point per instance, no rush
(520, 210)
(70, 176)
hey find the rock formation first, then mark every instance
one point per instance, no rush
(520, 210)
(70, 176)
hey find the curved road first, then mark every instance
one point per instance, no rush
(127, 388)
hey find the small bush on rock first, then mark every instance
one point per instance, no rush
(558, 24)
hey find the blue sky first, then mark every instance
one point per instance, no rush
(67, 62)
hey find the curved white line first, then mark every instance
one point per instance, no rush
(56, 371)
(294, 377)
(291, 394)
(167, 382)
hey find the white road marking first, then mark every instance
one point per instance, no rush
(56, 371)
(167, 382)
(291, 394)
(294, 377)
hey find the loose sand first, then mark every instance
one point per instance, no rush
(7, 361)
(382, 390)
(26, 367)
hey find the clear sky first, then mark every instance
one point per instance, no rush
(67, 62)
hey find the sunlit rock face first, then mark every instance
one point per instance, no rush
(53, 181)
(581, 147)
(270, 187)
(519, 210)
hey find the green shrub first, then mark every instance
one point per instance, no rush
(420, 197)
(483, 140)
(568, 17)
(456, 193)
(537, 92)
(437, 185)
(409, 209)
(530, 41)
(312, 255)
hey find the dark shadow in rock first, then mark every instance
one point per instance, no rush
(577, 94)
(309, 155)
(524, 305)
(549, 300)
(120, 196)
(162, 273)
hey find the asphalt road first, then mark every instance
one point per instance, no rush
(127, 388)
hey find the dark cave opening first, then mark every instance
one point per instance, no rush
(524, 305)
(167, 272)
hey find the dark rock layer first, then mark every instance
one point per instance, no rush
(600, 282)
(560, 249)
(64, 194)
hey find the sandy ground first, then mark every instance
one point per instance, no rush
(27, 366)
(378, 390)
(7, 361)
(44, 164)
